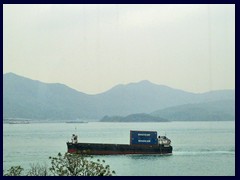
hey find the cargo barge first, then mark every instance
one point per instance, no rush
(141, 142)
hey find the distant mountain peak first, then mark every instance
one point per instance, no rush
(13, 75)
(10, 74)
(145, 82)
(142, 83)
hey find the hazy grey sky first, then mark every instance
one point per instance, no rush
(92, 48)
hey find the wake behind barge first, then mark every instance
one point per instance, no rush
(141, 142)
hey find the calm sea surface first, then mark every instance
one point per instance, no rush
(199, 148)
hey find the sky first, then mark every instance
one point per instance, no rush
(93, 47)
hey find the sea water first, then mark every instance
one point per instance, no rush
(199, 148)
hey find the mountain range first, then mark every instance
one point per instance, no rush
(32, 99)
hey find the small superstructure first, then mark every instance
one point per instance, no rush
(163, 140)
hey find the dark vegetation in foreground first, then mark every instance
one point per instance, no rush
(65, 165)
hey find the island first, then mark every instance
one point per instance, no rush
(140, 117)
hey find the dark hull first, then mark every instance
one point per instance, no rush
(111, 149)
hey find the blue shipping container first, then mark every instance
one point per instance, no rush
(143, 137)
